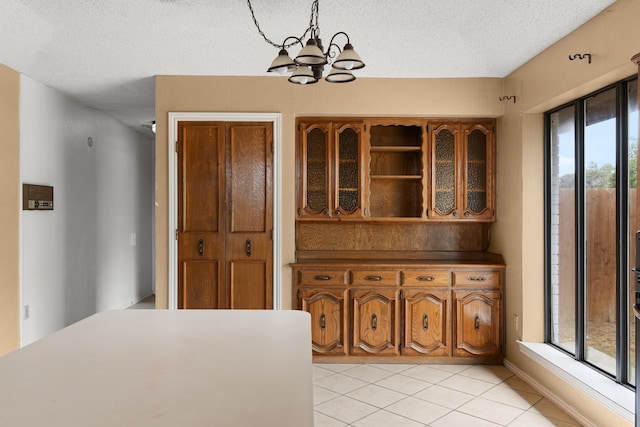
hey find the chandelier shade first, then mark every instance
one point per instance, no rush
(340, 76)
(303, 75)
(311, 55)
(282, 63)
(308, 66)
(348, 59)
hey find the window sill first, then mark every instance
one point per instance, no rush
(616, 397)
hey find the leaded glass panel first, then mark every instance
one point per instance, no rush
(476, 171)
(445, 171)
(348, 160)
(317, 170)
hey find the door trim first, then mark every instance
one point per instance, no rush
(276, 120)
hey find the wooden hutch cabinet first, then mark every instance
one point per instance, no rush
(392, 225)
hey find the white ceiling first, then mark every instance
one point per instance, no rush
(105, 53)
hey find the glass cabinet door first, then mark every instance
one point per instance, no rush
(478, 193)
(315, 165)
(330, 170)
(444, 178)
(348, 186)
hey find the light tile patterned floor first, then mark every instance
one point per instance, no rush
(406, 395)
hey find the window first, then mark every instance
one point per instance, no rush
(591, 156)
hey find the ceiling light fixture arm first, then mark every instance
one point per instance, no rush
(331, 54)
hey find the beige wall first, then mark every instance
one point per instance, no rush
(9, 210)
(368, 97)
(547, 81)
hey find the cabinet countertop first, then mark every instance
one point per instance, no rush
(435, 259)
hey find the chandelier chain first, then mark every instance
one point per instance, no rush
(313, 26)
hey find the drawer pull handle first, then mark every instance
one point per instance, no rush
(201, 247)
(323, 321)
(476, 279)
(476, 322)
(426, 278)
(373, 278)
(247, 247)
(425, 322)
(374, 321)
(322, 277)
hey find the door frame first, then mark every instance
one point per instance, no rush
(276, 120)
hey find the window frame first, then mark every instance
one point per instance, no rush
(623, 267)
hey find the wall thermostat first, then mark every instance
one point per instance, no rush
(37, 197)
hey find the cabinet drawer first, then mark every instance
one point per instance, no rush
(485, 279)
(323, 277)
(376, 277)
(425, 278)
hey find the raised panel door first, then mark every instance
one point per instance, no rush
(375, 321)
(200, 231)
(477, 323)
(249, 171)
(327, 308)
(426, 322)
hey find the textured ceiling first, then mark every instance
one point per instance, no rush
(105, 53)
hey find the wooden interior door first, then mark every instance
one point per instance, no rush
(249, 204)
(200, 231)
(225, 215)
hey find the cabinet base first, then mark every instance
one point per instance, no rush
(425, 360)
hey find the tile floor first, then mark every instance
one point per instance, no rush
(406, 395)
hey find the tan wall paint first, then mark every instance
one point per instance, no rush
(547, 81)
(9, 210)
(364, 97)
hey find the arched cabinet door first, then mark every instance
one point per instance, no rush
(375, 321)
(327, 308)
(477, 323)
(426, 323)
(478, 182)
(445, 171)
(313, 170)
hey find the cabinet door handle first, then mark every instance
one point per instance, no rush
(476, 279)
(373, 278)
(201, 247)
(322, 277)
(426, 278)
(425, 321)
(248, 247)
(476, 322)
(374, 321)
(455, 213)
(323, 321)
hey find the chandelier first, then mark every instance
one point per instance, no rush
(308, 66)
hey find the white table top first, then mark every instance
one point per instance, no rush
(164, 368)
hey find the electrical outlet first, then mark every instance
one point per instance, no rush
(515, 322)
(26, 312)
